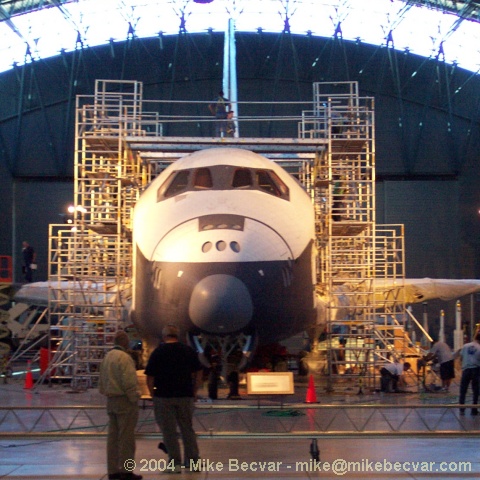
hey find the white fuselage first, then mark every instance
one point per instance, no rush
(229, 254)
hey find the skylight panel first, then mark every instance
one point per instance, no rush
(423, 31)
(103, 20)
(148, 21)
(370, 26)
(96, 22)
(47, 32)
(319, 19)
(12, 47)
(463, 46)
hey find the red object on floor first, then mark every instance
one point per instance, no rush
(28, 377)
(311, 395)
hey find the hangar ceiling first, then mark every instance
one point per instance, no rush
(418, 59)
(30, 30)
(428, 105)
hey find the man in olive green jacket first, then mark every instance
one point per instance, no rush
(118, 382)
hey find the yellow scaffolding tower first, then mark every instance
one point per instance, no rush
(359, 261)
(90, 260)
(119, 148)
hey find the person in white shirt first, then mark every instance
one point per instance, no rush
(444, 355)
(391, 376)
(470, 354)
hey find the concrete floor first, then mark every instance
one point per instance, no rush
(85, 459)
(239, 458)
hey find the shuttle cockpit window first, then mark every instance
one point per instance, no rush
(203, 179)
(221, 177)
(176, 183)
(242, 178)
(270, 182)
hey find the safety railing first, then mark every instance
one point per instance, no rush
(185, 118)
(294, 420)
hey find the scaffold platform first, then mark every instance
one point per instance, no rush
(120, 146)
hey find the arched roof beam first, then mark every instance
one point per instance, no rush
(469, 9)
(10, 8)
(287, 14)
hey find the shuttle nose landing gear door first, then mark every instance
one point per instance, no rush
(225, 356)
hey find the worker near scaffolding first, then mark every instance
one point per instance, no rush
(392, 376)
(29, 265)
(219, 108)
(442, 354)
(470, 355)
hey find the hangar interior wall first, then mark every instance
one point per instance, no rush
(37, 204)
(429, 210)
(425, 125)
(6, 206)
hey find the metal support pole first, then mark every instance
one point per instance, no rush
(230, 71)
(472, 314)
(314, 451)
(458, 333)
(425, 340)
(441, 333)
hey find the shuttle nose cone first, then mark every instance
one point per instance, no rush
(220, 304)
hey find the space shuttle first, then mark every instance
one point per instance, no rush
(223, 245)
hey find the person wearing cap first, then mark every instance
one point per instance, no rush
(118, 382)
(174, 373)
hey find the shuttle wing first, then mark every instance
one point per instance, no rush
(416, 290)
(387, 291)
(91, 293)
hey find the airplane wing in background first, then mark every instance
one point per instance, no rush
(35, 293)
(91, 293)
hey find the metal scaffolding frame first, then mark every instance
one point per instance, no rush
(361, 264)
(90, 261)
(119, 148)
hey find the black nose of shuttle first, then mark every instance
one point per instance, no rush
(220, 304)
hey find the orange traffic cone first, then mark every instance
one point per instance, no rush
(28, 377)
(311, 395)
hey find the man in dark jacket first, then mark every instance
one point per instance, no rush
(173, 375)
(28, 255)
